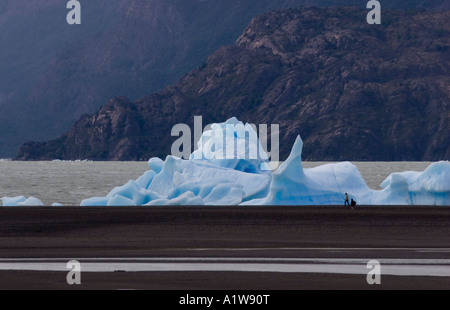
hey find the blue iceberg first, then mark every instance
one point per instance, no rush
(210, 178)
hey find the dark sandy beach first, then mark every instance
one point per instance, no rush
(263, 232)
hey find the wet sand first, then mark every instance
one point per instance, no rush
(290, 232)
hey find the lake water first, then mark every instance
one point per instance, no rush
(69, 182)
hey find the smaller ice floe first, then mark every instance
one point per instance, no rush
(12, 201)
(430, 187)
(21, 201)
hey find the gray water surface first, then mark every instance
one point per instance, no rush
(69, 182)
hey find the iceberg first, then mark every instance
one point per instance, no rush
(327, 185)
(21, 201)
(12, 201)
(431, 186)
(324, 185)
(209, 177)
(31, 202)
(233, 145)
(187, 182)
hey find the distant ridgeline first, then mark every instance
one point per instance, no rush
(353, 91)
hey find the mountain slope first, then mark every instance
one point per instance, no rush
(351, 90)
(52, 73)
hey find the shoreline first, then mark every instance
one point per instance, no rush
(131, 234)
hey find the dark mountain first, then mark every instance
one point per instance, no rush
(353, 91)
(52, 73)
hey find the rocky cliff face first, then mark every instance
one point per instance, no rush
(52, 73)
(351, 90)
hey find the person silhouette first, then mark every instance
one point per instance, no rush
(346, 203)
